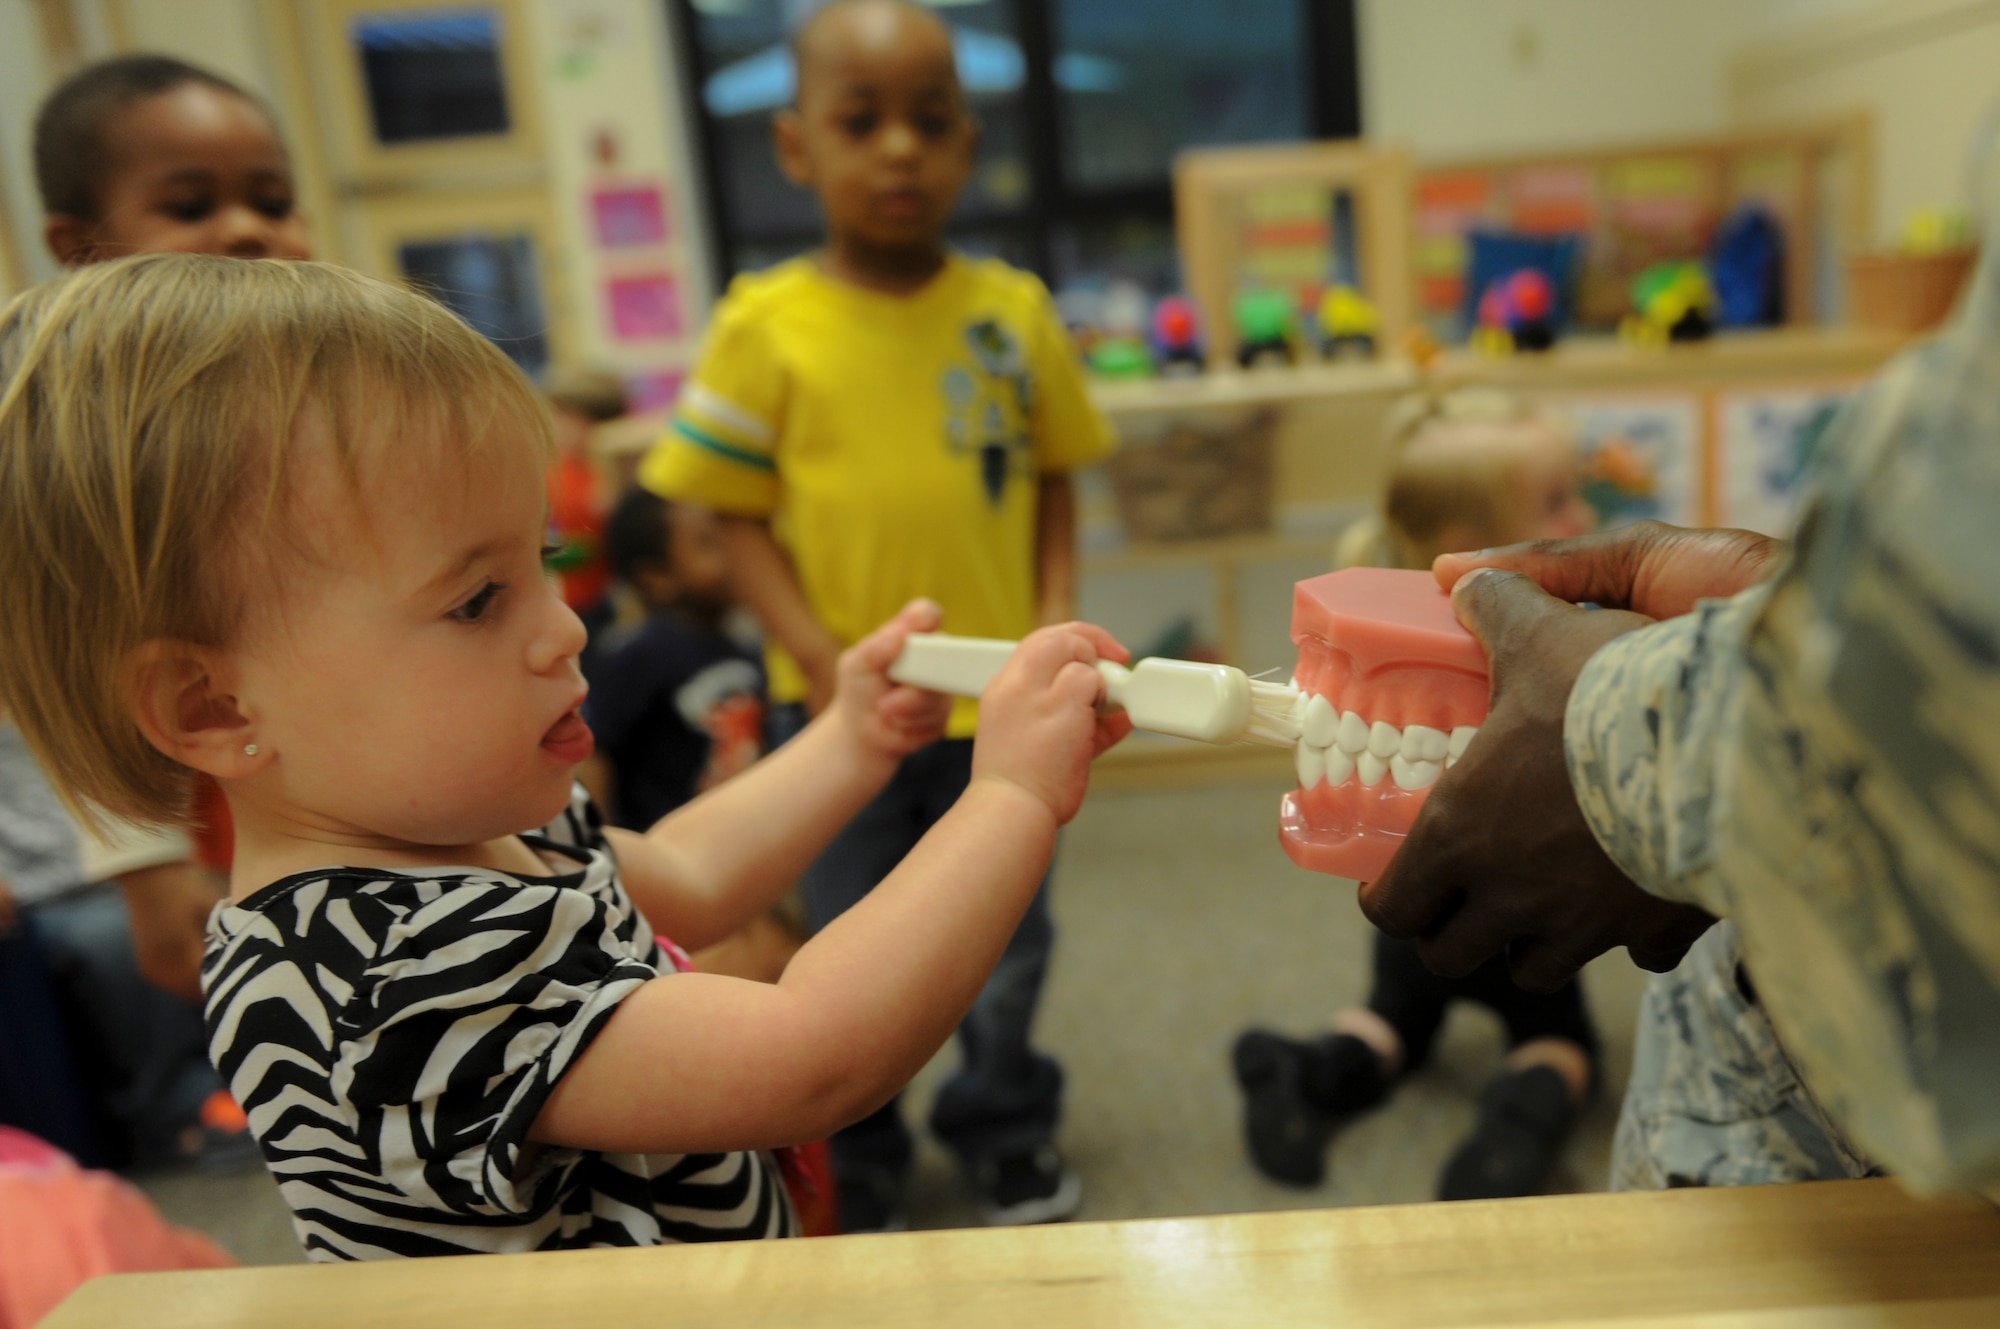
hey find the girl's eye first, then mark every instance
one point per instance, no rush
(550, 552)
(277, 209)
(475, 609)
(190, 209)
(859, 126)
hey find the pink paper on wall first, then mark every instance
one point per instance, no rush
(644, 308)
(652, 392)
(627, 217)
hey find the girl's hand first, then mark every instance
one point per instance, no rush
(1039, 725)
(890, 719)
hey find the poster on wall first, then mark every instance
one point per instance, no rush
(629, 217)
(645, 308)
(1766, 441)
(1641, 456)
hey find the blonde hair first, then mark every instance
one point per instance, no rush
(1435, 489)
(148, 411)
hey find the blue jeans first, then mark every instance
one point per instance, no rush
(1006, 1097)
(140, 1048)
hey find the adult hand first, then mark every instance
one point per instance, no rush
(1500, 855)
(1649, 567)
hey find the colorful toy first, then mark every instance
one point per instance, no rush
(1671, 302)
(1348, 324)
(1120, 357)
(1392, 690)
(1517, 313)
(1177, 336)
(1264, 329)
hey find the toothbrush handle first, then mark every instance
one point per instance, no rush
(961, 666)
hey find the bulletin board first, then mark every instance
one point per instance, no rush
(1646, 203)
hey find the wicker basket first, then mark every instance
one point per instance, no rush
(1906, 292)
(1195, 482)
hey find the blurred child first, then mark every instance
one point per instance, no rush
(582, 399)
(152, 1099)
(144, 154)
(880, 420)
(1467, 471)
(299, 551)
(678, 706)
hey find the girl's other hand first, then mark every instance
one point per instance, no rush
(1039, 723)
(891, 719)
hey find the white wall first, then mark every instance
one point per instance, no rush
(1928, 70)
(1454, 78)
(23, 80)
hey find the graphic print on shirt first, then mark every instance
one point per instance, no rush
(987, 406)
(724, 701)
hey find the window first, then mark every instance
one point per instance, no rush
(490, 281)
(1083, 105)
(432, 74)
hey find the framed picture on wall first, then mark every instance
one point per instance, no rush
(1642, 456)
(1765, 444)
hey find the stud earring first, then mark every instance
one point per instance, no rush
(249, 749)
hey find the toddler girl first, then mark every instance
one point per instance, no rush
(1467, 470)
(281, 524)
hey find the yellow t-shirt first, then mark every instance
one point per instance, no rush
(895, 442)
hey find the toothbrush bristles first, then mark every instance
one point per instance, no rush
(1272, 714)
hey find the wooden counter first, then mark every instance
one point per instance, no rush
(1837, 1253)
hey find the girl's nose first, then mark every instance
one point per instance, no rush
(560, 639)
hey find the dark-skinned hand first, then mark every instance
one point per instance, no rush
(1649, 567)
(1500, 856)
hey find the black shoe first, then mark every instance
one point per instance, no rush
(1030, 1187)
(1295, 1095)
(871, 1202)
(1524, 1117)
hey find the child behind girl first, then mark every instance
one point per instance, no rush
(1467, 471)
(299, 551)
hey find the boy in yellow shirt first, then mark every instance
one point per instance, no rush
(881, 420)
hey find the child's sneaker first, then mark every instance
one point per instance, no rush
(1030, 1187)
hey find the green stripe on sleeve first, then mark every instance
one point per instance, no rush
(702, 439)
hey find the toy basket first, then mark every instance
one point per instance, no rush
(1196, 481)
(1906, 292)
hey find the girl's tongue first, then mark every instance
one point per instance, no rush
(569, 739)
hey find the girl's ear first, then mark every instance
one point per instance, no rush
(183, 698)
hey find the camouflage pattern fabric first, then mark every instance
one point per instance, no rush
(1818, 759)
(1714, 1100)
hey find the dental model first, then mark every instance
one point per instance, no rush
(1392, 690)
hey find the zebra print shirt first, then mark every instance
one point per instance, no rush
(392, 1037)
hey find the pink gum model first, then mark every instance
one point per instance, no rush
(1393, 691)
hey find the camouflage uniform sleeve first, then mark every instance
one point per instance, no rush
(1823, 766)
(1644, 726)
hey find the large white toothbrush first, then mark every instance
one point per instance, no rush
(1213, 703)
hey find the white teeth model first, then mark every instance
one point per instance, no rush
(1423, 743)
(1321, 723)
(1311, 764)
(1413, 774)
(1335, 744)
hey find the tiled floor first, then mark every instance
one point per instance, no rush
(1181, 922)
